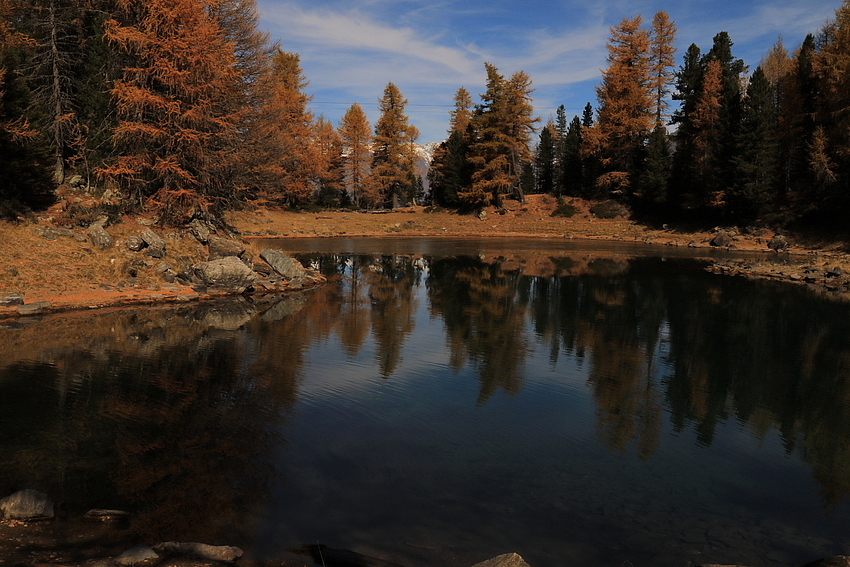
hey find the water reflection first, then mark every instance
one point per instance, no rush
(583, 405)
(159, 411)
(654, 334)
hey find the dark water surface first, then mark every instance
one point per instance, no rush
(442, 402)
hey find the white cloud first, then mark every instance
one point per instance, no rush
(352, 32)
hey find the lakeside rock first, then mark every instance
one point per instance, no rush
(136, 554)
(27, 504)
(223, 247)
(287, 267)
(229, 274)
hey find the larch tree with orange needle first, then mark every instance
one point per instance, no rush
(177, 127)
(356, 137)
(662, 55)
(625, 111)
(290, 159)
(706, 124)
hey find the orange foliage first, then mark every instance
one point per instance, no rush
(176, 128)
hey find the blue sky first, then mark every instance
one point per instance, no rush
(351, 49)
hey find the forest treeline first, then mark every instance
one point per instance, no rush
(187, 109)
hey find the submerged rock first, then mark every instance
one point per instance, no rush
(27, 504)
(506, 560)
(224, 553)
(136, 554)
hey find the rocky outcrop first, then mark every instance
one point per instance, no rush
(27, 504)
(506, 560)
(229, 274)
(223, 247)
(154, 244)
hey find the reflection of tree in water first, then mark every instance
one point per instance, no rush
(616, 322)
(390, 281)
(157, 414)
(484, 318)
(711, 349)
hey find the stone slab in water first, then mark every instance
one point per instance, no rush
(225, 553)
(136, 554)
(506, 560)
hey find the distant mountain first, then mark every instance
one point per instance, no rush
(424, 152)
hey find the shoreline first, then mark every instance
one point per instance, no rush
(103, 281)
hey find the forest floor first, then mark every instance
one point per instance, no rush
(70, 273)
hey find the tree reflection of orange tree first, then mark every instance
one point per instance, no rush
(391, 280)
(151, 411)
(484, 318)
(194, 435)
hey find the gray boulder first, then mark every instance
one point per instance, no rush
(778, 243)
(722, 238)
(225, 553)
(224, 247)
(98, 236)
(135, 243)
(288, 267)
(506, 560)
(155, 246)
(226, 274)
(35, 308)
(136, 554)
(27, 504)
(200, 231)
(12, 299)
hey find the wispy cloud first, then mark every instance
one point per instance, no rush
(352, 32)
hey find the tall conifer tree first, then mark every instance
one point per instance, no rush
(177, 126)
(392, 153)
(625, 113)
(356, 137)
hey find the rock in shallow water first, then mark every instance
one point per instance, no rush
(136, 554)
(506, 560)
(224, 553)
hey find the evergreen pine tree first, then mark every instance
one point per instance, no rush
(656, 175)
(756, 163)
(572, 174)
(544, 160)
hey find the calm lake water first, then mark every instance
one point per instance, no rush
(440, 402)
